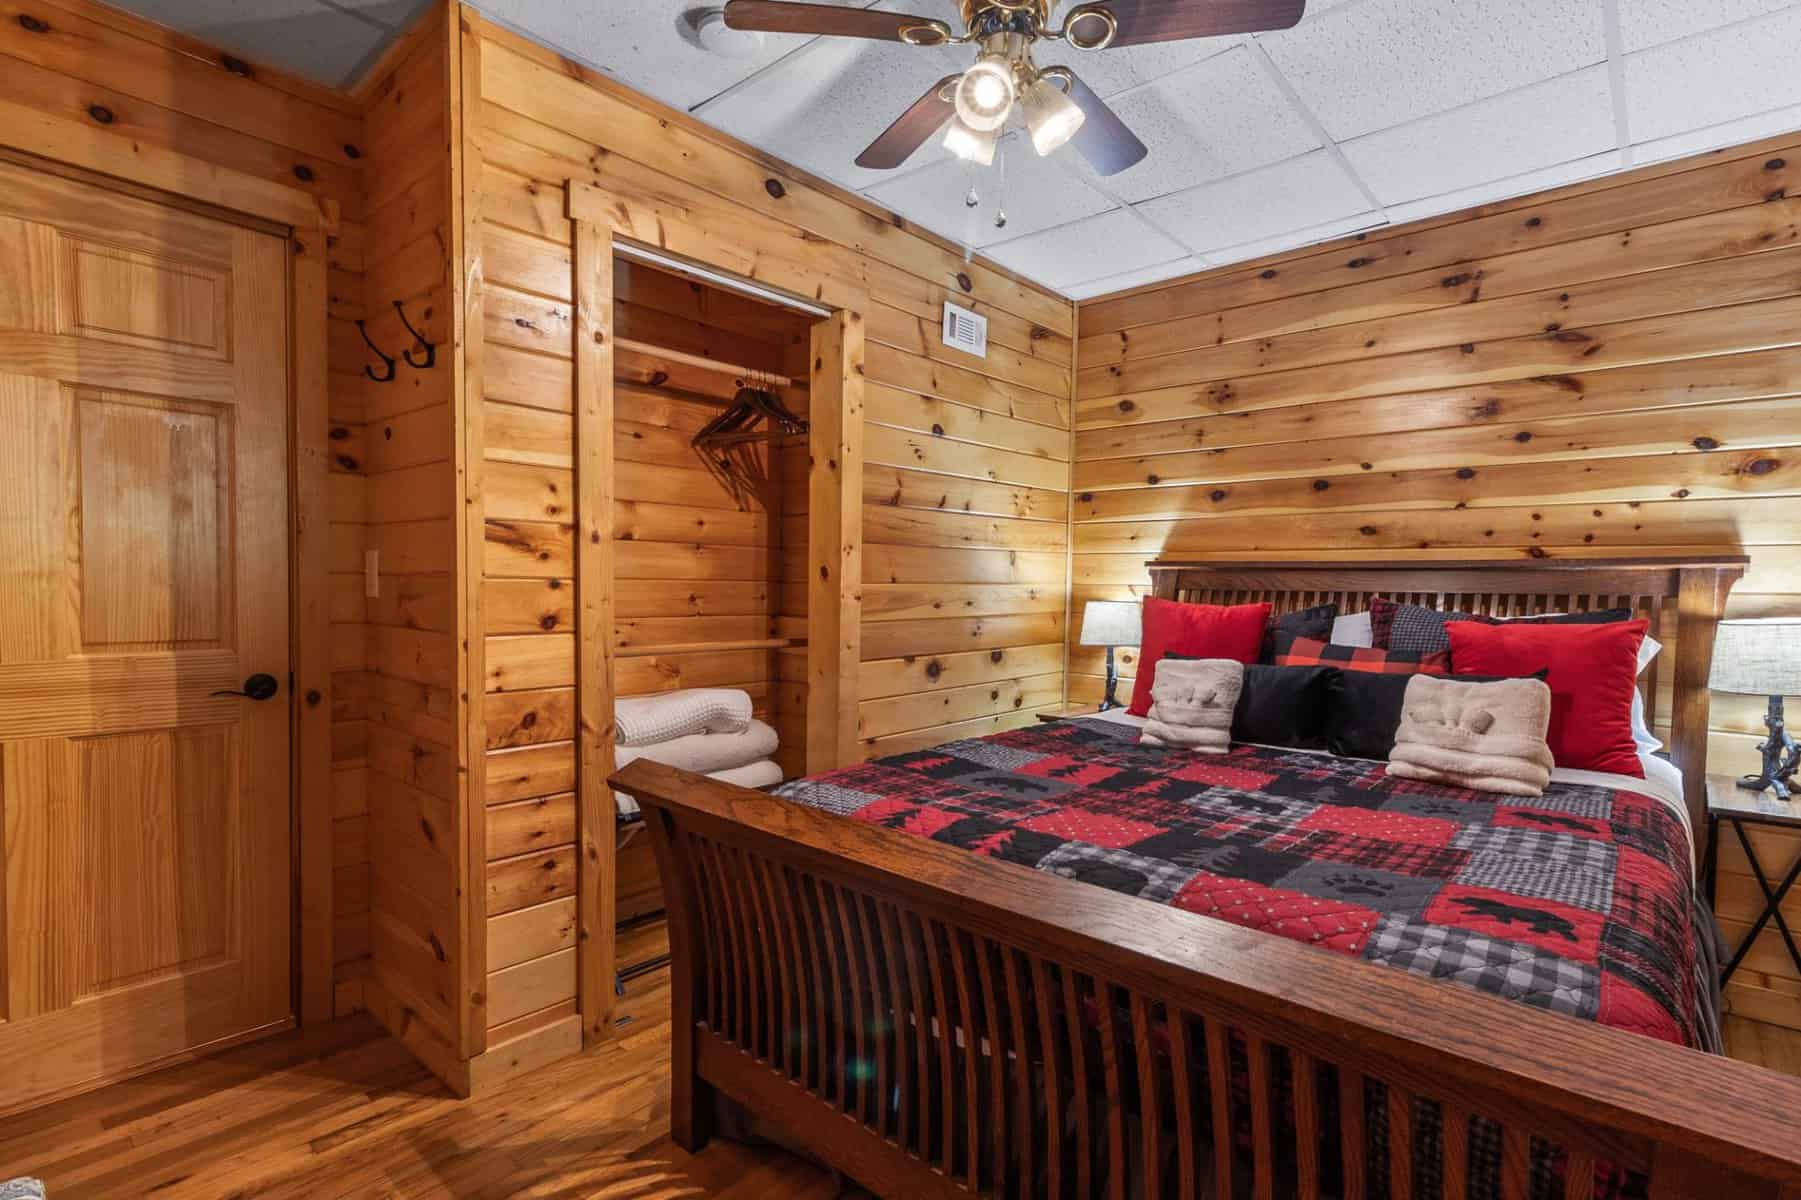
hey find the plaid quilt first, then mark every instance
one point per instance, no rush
(1580, 901)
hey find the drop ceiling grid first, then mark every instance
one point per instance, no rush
(1378, 111)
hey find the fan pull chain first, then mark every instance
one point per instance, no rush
(1000, 187)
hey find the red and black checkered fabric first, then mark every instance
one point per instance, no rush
(1580, 901)
(1305, 652)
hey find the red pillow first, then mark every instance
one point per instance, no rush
(1199, 631)
(1592, 670)
(1306, 652)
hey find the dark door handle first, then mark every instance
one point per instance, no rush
(260, 686)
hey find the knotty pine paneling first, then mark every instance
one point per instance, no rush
(966, 472)
(699, 565)
(1606, 369)
(164, 92)
(410, 438)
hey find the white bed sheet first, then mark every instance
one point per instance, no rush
(1662, 781)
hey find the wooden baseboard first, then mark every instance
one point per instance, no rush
(527, 1051)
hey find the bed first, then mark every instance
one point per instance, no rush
(943, 980)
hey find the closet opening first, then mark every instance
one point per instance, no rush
(713, 437)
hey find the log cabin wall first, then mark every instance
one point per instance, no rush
(1608, 369)
(414, 795)
(94, 84)
(698, 593)
(966, 472)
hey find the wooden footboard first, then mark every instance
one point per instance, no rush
(932, 1023)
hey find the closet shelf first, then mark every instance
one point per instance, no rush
(776, 643)
(749, 374)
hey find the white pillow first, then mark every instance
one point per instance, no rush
(1353, 630)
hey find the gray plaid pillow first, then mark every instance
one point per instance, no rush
(1418, 630)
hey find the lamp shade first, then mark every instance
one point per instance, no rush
(1757, 657)
(1112, 623)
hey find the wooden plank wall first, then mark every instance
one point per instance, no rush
(696, 565)
(966, 480)
(117, 80)
(413, 526)
(1611, 368)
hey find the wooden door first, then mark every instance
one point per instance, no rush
(143, 569)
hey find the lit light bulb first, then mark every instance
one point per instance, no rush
(1051, 117)
(985, 94)
(970, 145)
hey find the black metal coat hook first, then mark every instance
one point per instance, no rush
(431, 351)
(387, 361)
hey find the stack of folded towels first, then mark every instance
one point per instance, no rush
(706, 730)
(1192, 701)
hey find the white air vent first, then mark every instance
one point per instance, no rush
(965, 330)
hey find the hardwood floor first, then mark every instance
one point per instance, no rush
(344, 1111)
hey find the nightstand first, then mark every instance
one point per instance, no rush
(1064, 712)
(1731, 804)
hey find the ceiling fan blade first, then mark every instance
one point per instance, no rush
(1142, 21)
(783, 16)
(911, 129)
(1103, 140)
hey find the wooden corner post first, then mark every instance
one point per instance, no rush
(835, 540)
(596, 842)
(1700, 603)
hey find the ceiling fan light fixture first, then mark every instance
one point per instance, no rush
(970, 145)
(1090, 27)
(986, 93)
(1051, 117)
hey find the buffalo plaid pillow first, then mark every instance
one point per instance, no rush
(1305, 652)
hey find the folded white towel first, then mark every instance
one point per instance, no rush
(704, 752)
(647, 720)
(757, 775)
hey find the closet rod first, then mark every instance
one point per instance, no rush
(749, 374)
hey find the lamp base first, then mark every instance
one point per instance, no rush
(1781, 756)
(1110, 700)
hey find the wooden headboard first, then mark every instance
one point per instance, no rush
(1694, 586)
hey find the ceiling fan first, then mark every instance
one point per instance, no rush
(1055, 105)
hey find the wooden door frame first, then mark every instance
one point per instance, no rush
(307, 223)
(834, 573)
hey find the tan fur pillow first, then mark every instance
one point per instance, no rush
(1489, 737)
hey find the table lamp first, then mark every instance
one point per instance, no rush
(1763, 658)
(1111, 623)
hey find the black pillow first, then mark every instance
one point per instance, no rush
(1363, 710)
(1315, 623)
(1284, 706)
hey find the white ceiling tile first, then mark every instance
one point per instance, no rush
(1565, 119)
(1110, 72)
(1112, 242)
(1646, 23)
(1506, 189)
(1366, 66)
(307, 38)
(1714, 137)
(820, 107)
(395, 14)
(1217, 119)
(1717, 77)
(1301, 192)
(1343, 227)
(1035, 193)
(642, 44)
(1108, 284)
